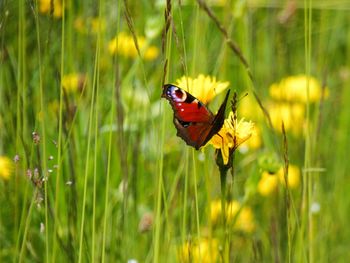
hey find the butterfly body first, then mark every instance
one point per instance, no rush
(194, 122)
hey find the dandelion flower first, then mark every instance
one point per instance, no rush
(232, 134)
(249, 108)
(245, 218)
(293, 176)
(245, 221)
(6, 167)
(79, 25)
(204, 88)
(89, 25)
(205, 250)
(124, 45)
(255, 140)
(73, 82)
(215, 210)
(294, 88)
(97, 24)
(45, 7)
(268, 184)
(292, 116)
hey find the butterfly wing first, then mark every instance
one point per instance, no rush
(194, 122)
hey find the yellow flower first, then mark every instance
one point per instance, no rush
(293, 176)
(6, 167)
(255, 141)
(45, 7)
(231, 135)
(205, 250)
(151, 53)
(294, 88)
(291, 114)
(79, 25)
(215, 211)
(204, 88)
(97, 24)
(268, 184)
(124, 45)
(73, 82)
(89, 25)
(249, 108)
(244, 220)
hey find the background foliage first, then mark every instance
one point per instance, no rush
(91, 169)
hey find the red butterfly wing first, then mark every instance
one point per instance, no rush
(194, 122)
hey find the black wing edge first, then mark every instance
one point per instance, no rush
(218, 121)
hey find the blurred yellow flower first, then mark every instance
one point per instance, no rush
(73, 82)
(245, 218)
(89, 25)
(215, 211)
(268, 184)
(291, 114)
(6, 167)
(79, 25)
(231, 135)
(248, 108)
(45, 7)
(205, 250)
(124, 45)
(97, 24)
(204, 88)
(255, 140)
(294, 88)
(293, 176)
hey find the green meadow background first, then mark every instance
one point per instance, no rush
(91, 169)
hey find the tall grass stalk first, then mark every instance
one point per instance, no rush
(59, 141)
(160, 182)
(308, 182)
(93, 109)
(26, 228)
(96, 82)
(196, 201)
(43, 132)
(185, 199)
(109, 157)
(160, 186)
(18, 113)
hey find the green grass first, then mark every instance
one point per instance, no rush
(108, 152)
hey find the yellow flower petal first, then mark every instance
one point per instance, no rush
(293, 176)
(231, 135)
(73, 82)
(45, 7)
(294, 88)
(6, 167)
(244, 221)
(291, 114)
(255, 140)
(205, 250)
(124, 45)
(215, 211)
(267, 184)
(204, 88)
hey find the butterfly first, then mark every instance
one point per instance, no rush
(194, 122)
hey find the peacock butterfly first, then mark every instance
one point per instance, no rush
(194, 122)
